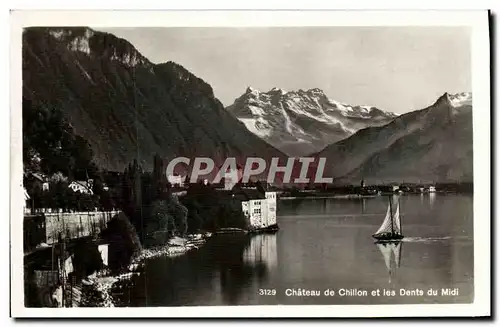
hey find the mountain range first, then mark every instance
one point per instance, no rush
(302, 122)
(424, 146)
(128, 108)
(125, 106)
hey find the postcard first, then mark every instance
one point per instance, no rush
(250, 164)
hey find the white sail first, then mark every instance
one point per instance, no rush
(397, 220)
(386, 224)
(386, 252)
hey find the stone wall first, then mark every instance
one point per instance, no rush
(71, 225)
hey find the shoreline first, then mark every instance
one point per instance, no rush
(95, 290)
(102, 284)
(99, 284)
(360, 196)
(347, 196)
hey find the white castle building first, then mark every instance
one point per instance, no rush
(261, 212)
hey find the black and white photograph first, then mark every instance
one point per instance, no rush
(295, 161)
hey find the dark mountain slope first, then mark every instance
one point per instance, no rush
(429, 145)
(125, 106)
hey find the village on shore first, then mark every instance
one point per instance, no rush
(81, 237)
(82, 234)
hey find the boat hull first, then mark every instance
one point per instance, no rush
(388, 237)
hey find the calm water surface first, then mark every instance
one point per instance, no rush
(324, 244)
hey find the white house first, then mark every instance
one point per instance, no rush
(26, 199)
(261, 212)
(176, 180)
(43, 180)
(432, 189)
(82, 187)
(103, 250)
(26, 195)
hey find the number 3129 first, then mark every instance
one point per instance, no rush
(267, 291)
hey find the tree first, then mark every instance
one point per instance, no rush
(157, 226)
(179, 214)
(210, 210)
(194, 218)
(50, 144)
(106, 201)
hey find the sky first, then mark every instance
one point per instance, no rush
(398, 69)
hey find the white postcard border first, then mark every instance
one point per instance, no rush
(480, 60)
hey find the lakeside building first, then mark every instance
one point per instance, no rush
(430, 189)
(36, 180)
(26, 205)
(258, 204)
(260, 210)
(82, 186)
(176, 180)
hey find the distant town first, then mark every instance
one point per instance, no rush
(40, 197)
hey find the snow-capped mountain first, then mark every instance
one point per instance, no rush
(302, 122)
(460, 99)
(429, 145)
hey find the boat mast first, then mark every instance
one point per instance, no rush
(399, 217)
(392, 220)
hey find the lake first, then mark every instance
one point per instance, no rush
(324, 254)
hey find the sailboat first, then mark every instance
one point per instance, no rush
(387, 249)
(390, 230)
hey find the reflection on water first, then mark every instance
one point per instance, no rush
(432, 199)
(323, 243)
(262, 249)
(219, 271)
(389, 251)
